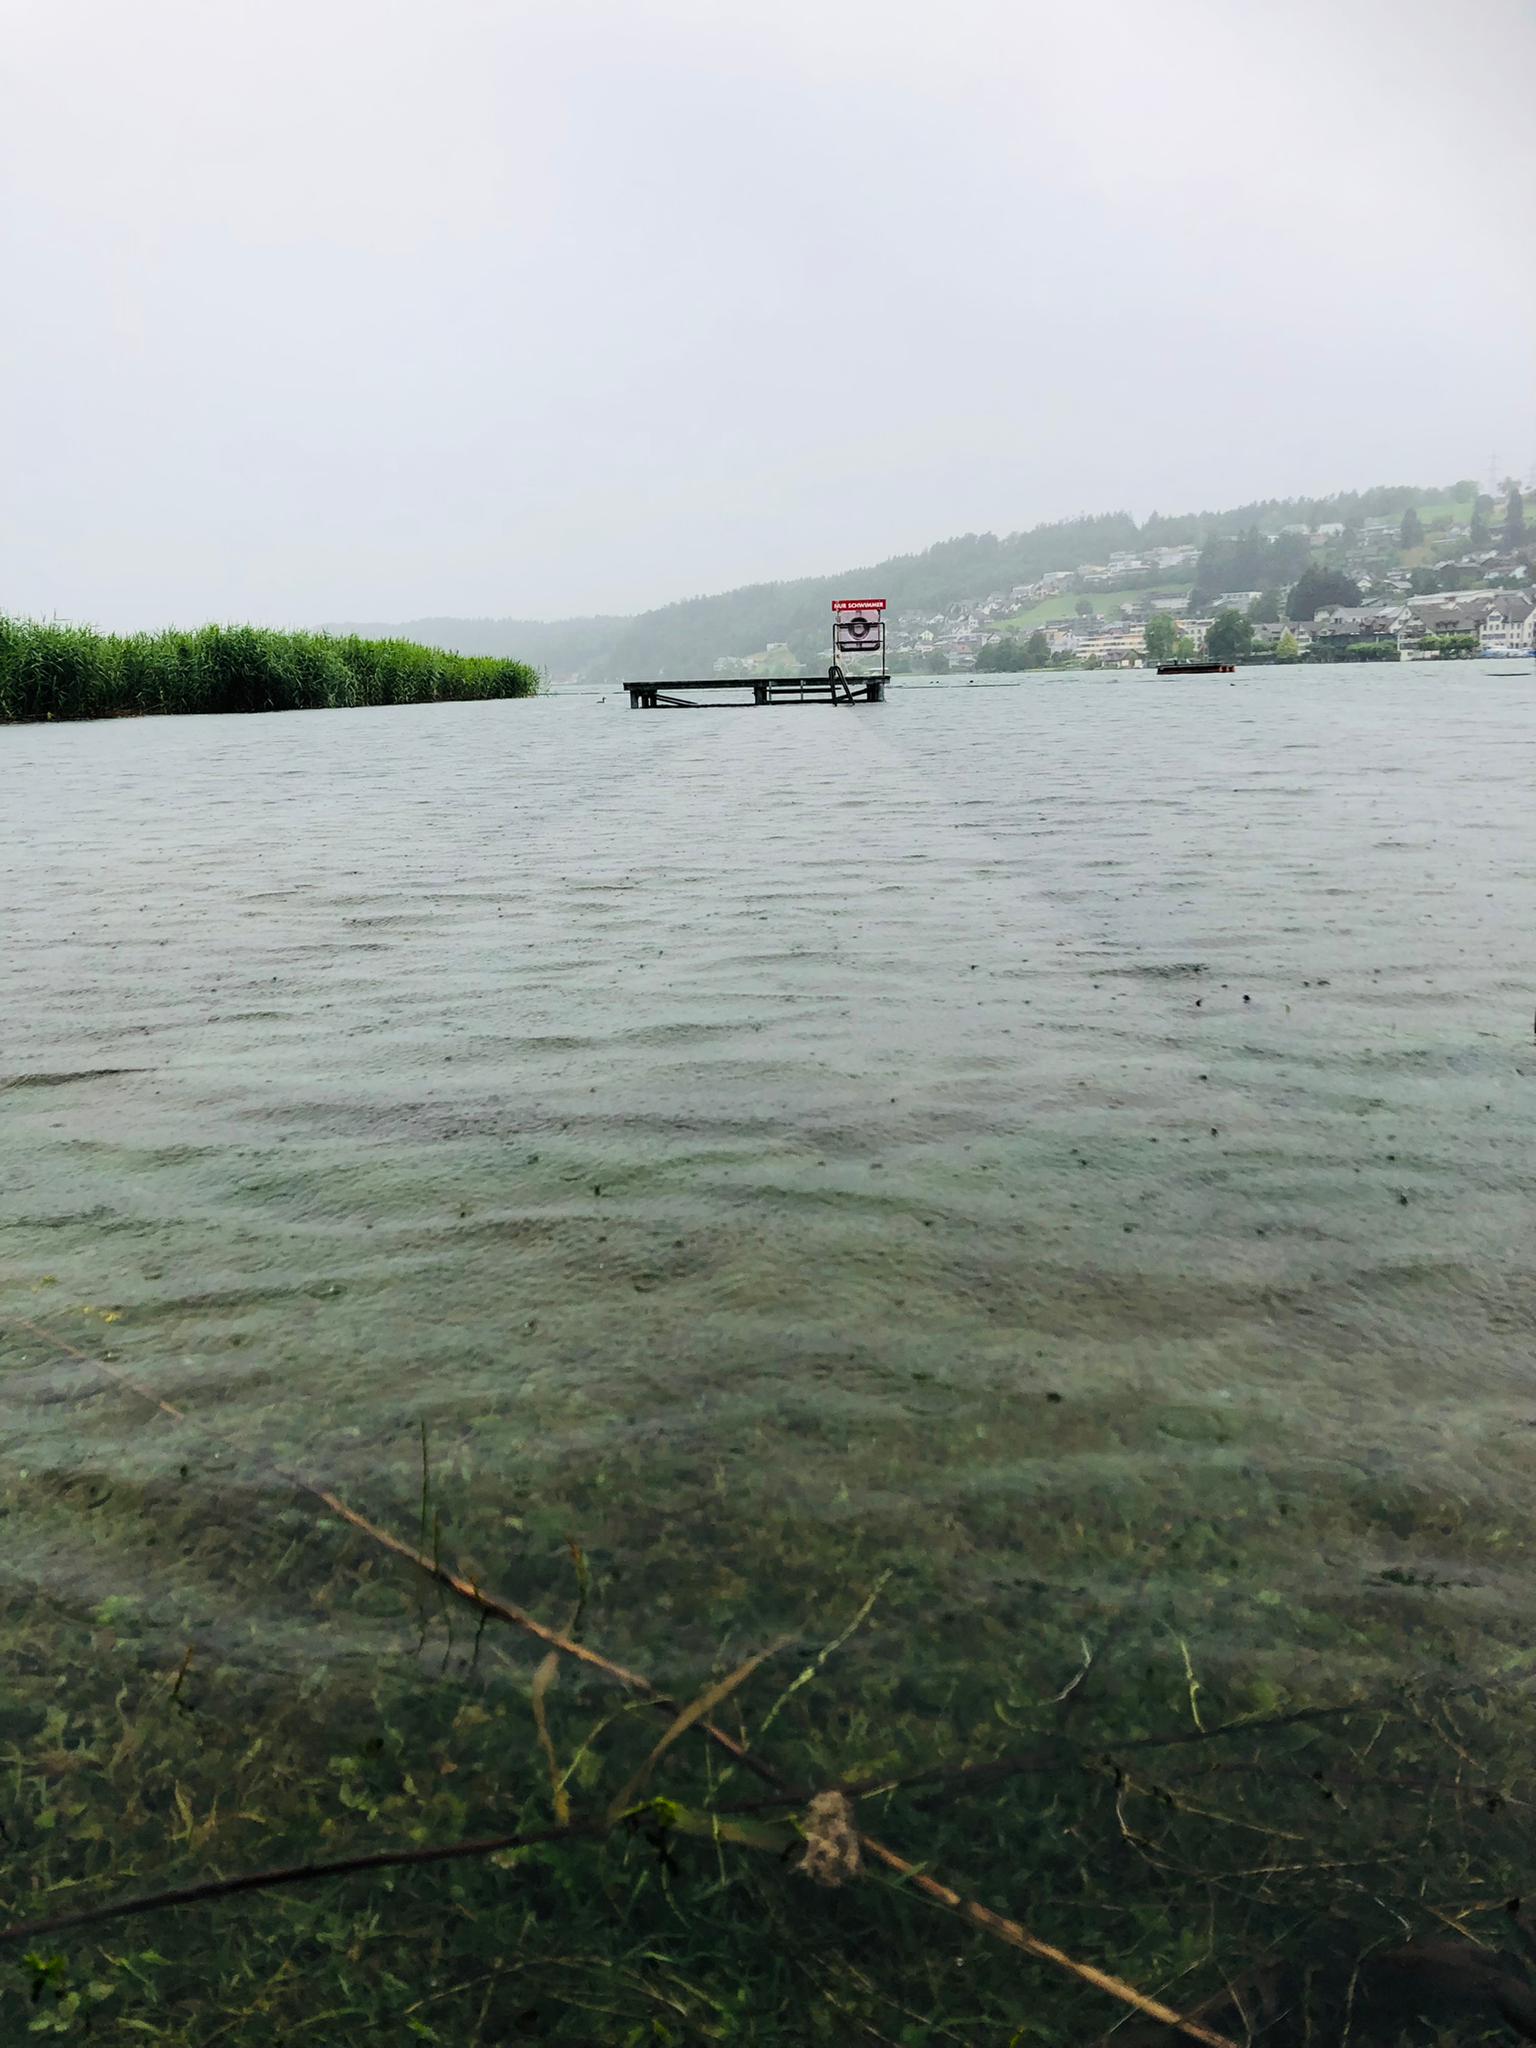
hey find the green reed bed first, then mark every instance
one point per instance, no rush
(53, 671)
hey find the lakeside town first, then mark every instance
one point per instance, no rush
(1427, 584)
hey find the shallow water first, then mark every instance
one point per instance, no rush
(978, 1134)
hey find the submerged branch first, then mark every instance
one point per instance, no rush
(298, 1873)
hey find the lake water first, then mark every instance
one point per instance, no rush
(983, 1137)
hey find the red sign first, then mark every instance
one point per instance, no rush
(858, 604)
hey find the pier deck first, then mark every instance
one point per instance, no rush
(834, 689)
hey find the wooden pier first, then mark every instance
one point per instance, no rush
(835, 688)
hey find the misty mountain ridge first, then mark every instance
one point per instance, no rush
(689, 635)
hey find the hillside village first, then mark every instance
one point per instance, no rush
(1391, 571)
(1431, 584)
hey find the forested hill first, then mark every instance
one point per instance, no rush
(686, 638)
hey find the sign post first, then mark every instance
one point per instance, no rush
(858, 627)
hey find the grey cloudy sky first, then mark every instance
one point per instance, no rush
(372, 308)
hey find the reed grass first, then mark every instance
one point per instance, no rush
(53, 671)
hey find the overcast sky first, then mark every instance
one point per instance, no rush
(371, 308)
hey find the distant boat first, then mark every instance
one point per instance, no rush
(1196, 668)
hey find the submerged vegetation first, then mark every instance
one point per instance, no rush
(426, 1813)
(53, 671)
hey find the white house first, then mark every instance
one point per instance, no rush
(1504, 621)
(1510, 626)
(1173, 558)
(1351, 622)
(1273, 632)
(1111, 646)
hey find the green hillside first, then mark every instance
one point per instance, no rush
(687, 637)
(1106, 602)
(1450, 510)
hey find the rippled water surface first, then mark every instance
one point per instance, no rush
(973, 1135)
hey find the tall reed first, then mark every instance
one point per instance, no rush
(53, 671)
